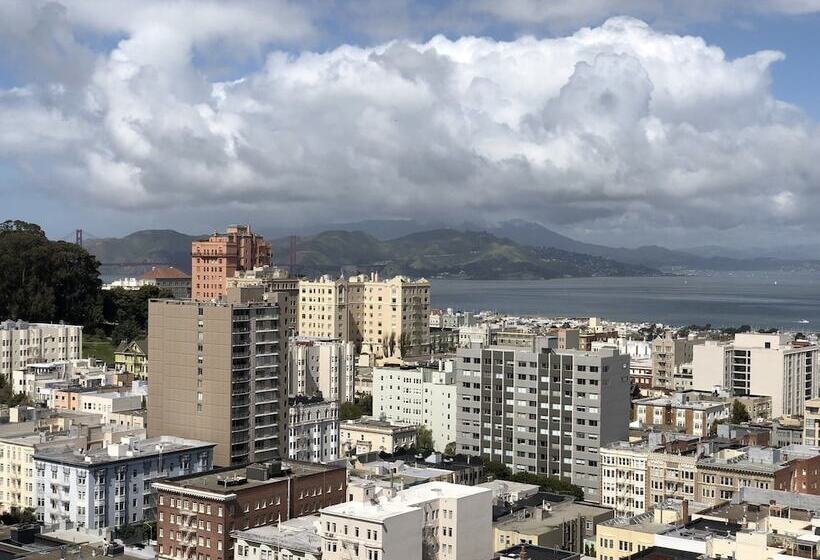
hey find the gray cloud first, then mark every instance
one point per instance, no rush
(610, 127)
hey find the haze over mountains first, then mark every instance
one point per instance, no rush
(511, 250)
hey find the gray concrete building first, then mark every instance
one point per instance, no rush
(216, 376)
(542, 410)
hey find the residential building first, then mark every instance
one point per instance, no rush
(568, 339)
(169, 278)
(669, 352)
(24, 343)
(760, 364)
(382, 317)
(433, 520)
(533, 552)
(197, 515)
(443, 341)
(313, 430)
(542, 410)
(279, 287)
(219, 257)
(216, 375)
(109, 402)
(100, 489)
(131, 356)
(682, 412)
(623, 537)
(419, 396)
(476, 334)
(321, 366)
(294, 539)
(366, 434)
(403, 470)
(638, 476)
(722, 475)
(640, 373)
(811, 422)
(563, 525)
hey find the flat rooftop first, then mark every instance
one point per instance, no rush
(68, 455)
(214, 481)
(534, 552)
(297, 534)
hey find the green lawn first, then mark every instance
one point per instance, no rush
(98, 347)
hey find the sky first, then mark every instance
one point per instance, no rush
(624, 122)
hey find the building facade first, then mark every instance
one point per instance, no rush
(418, 396)
(131, 356)
(23, 343)
(321, 366)
(432, 520)
(668, 354)
(216, 376)
(313, 430)
(367, 435)
(169, 278)
(760, 364)
(382, 317)
(540, 410)
(101, 489)
(197, 514)
(811, 422)
(219, 257)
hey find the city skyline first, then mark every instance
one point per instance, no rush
(675, 122)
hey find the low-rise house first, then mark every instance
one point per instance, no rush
(131, 356)
(367, 434)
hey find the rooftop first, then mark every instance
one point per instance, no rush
(230, 479)
(371, 424)
(533, 552)
(297, 534)
(644, 523)
(661, 553)
(160, 272)
(129, 449)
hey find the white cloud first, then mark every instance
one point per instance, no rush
(608, 126)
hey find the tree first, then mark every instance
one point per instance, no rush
(450, 449)
(46, 281)
(126, 311)
(16, 515)
(424, 440)
(349, 411)
(497, 470)
(739, 413)
(391, 344)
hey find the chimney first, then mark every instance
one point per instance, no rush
(684, 511)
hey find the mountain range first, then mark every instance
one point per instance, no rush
(510, 250)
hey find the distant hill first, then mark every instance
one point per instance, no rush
(445, 253)
(151, 245)
(653, 256)
(437, 253)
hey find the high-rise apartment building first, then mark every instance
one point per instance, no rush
(760, 364)
(216, 376)
(321, 365)
(219, 257)
(23, 343)
(668, 354)
(419, 396)
(383, 317)
(542, 410)
(279, 286)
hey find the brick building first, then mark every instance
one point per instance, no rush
(219, 257)
(196, 514)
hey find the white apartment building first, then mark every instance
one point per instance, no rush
(35, 378)
(17, 472)
(367, 435)
(418, 396)
(100, 489)
(811, 422)
(635, 477)
(294, 539)
(542, 410)
(321, 365)
(23, 343)
(474, 334)
(383, 317)
(760, 364)
(313, 430)
(106, 403)
(433, 520)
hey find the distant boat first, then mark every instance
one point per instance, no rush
(803, 322)
(775, 282)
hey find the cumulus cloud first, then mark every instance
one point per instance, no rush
(614, 125)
